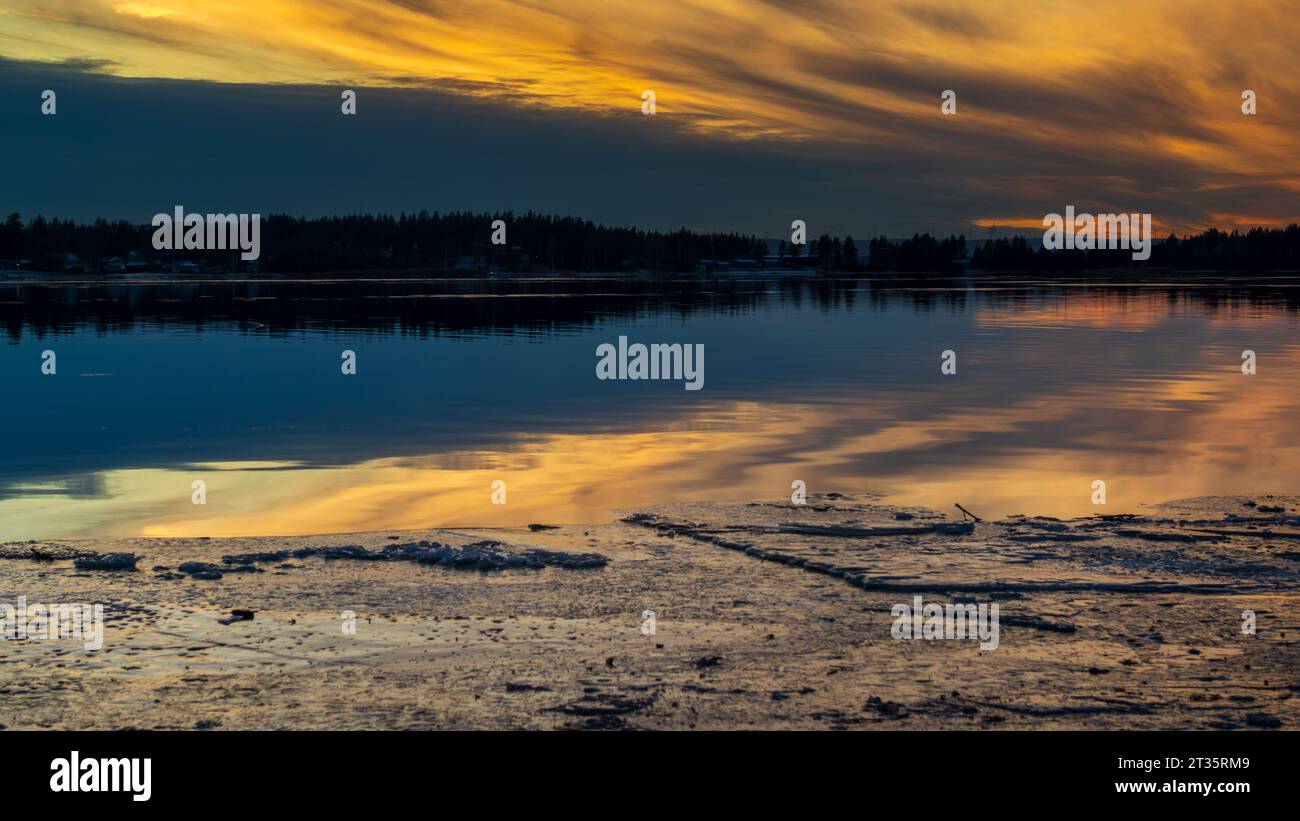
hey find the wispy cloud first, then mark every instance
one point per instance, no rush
(1099, 102)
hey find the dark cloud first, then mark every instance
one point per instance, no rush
(125, 148)
(950, 20)
(86, 65)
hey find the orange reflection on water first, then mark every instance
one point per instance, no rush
(555, 478)
(1031, 422)
(1172, 437)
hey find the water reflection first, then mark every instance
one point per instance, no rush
(835, 382)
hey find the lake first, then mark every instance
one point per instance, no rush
(835, 382)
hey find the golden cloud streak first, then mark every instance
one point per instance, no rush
(1094, 82)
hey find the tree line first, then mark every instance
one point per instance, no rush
(1259, 249)
(423, 240)
(547, 242)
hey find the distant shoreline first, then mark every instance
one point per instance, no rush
(19, 276)
(506, 243)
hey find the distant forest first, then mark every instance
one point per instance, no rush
(1259, 249)
(537, 242)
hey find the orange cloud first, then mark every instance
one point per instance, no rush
(143, 10)
(1101, 86)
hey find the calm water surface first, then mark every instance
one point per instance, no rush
(834, 382)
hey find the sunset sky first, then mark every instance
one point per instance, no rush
(767, 111)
